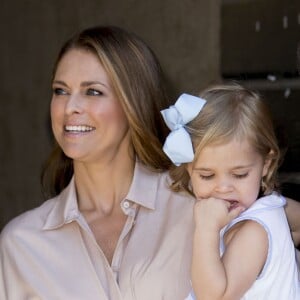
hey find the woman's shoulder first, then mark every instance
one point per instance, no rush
(30, 220)
(157, 185)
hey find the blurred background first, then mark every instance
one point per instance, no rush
(197, 41)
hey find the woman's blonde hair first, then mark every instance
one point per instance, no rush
(139, 84)
(232, 111)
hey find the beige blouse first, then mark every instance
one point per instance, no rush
(50, 252)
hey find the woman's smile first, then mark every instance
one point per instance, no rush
(88, 120)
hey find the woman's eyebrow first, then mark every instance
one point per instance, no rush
(88, 83)
(59, 82)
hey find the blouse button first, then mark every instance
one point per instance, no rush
(126, 204)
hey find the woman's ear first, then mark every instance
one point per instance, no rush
(267, 163)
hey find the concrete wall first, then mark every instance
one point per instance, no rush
(183, 33)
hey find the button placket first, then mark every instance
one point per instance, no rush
(123, 239)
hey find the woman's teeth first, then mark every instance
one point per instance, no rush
(80, 128)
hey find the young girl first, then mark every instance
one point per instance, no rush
(242, 243)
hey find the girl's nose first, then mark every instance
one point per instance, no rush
(224, 185)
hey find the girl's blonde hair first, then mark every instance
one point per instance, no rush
(232, 111)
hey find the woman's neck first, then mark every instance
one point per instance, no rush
(101, 187)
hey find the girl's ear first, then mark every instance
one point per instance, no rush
(267, 164)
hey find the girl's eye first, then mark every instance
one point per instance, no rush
(240, 176)
(206, 177)
(93, 92)
(59, 91)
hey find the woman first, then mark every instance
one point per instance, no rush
(113, 229)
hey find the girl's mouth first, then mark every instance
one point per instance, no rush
(233, 204)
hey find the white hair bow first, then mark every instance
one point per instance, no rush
(178, 145)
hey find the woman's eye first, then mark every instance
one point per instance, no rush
(59, 91)
(240, 176)
(93, 92)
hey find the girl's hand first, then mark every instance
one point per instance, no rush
(214, 214)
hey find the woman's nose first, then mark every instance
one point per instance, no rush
(73, 105)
